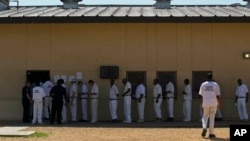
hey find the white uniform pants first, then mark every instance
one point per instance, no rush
(47, 106)
(84, 103)
(209, 112)
(127, 108)
(242, 108)
(73, 109)
(187, 105)
(170, 107)
(37, 111)
(112, 108)
(64, 112)
(94, 106)
(157, 107)
(218, 113)
(141, 106)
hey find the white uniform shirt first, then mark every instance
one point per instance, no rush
(157, 90)
(94, 89)
(209, 90)
(73, 91)
(47, 86)
(84, 91)
(140, 89)
(66, 88)
(38, 93)
(188, 91)
(170, 87)
(128, 86)
(241, 90)
(113, 91)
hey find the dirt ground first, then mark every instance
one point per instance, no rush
(121, 132)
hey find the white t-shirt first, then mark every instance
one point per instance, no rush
(209, 91)
(84, 91)
(94, 89)
(241, 90)
(128, 86)
(73, 91)
(170, 87)
(38, 93)
(157, 90)
(140, 89)
(188, 91)
(47, 86)
(113, 91)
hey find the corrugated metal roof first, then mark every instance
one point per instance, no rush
(126, 11)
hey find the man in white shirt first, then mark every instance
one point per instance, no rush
(140, 94)
(47, 100)
(37, 96)
(113, 100)
(210, 92)
(157, 94)
(84, 100)
(65, 101)
(241, 100)
(73, 100)
(127, 100)
(170, 99)
(187, 104)
(94, 101)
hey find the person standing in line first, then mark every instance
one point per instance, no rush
(127, 100)
(170, 99)
(187, 104)
(157, 94)
(26, 101)
(37, 96)
(113, 100)
(241, 99)
(47, 86)
(140, 97)
(73, 100)
(84, 100)
(94, 101)
(210, 93)
(218, 114)
(65, 102)
(57, 93)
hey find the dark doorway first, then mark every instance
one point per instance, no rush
(37, 76)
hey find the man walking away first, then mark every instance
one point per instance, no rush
(210, 92)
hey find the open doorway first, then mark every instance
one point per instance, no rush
(37, 76)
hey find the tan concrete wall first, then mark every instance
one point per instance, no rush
(69, 48)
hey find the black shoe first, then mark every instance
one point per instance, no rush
(212, 136)
(204, 131)
(218, 119)
(170, 119)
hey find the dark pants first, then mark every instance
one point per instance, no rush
(26, 111)
(56, 111)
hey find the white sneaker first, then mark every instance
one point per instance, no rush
(33, 123)
(127, 121)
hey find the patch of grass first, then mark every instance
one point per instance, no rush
(38, 135)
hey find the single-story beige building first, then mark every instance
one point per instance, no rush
(143, 41)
